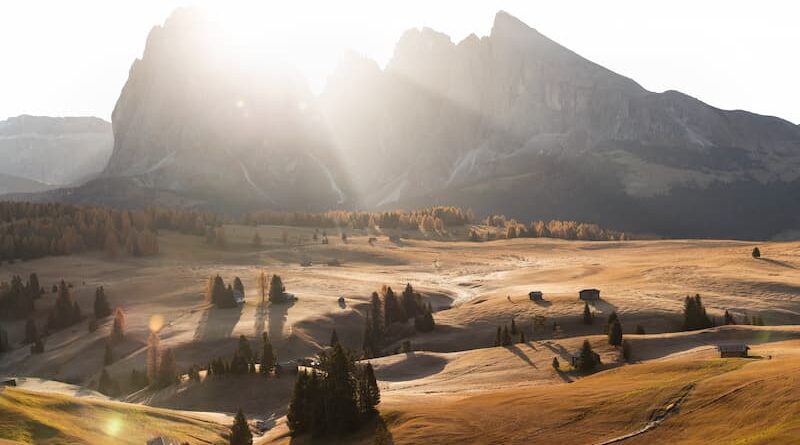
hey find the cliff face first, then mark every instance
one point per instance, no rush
(508, 123)
(53, 150)
(198, 118)
(515, 123)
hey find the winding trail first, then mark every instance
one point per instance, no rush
(659, 415)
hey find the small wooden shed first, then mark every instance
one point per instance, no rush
(536, 295)
(589, 294)
(733, 350)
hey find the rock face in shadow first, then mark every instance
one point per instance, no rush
(509, 123)
(203, 117)
(514, 123)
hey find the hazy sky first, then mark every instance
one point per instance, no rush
(65, 58)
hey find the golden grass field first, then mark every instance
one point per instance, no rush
(455, 387)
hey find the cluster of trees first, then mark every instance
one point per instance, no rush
(66, 311)
(335, 399)
(161, 369)
(223, 296)
(755, 320)
(694, 314)
(434, 218)
(505, 336)
(587, 359)
(244, 360)
(17, 298)
(34, 230)
(387, 308)
(569, 230)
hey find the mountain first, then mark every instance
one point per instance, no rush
(201, 118)
(509, 123)
(15, 184)
(54, 150)
(514, 123)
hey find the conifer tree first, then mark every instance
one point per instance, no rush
(694, 314)
(277, 290)
(118, 327)
(373, 394)
(611, 319)
(237, 285)
(391, 308)
(506, 336)
(298, 412)
(153, 356)
(334, 338)
(167, 369)
(556, 365)
(756, 252)
(101, 307)
(244, 349)
(615, 334)
(31, 331)
(626, 350)
(588, 318)
(586, 358)
(267, 355)
(728, 318)
(240, 430)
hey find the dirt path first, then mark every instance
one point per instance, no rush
(658, 416)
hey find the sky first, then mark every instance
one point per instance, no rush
(71, 58)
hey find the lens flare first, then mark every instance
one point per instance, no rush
(156, 322)
(113, 426)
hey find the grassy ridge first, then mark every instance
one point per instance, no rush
(31, 417)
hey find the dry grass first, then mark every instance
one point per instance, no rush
(33, 417)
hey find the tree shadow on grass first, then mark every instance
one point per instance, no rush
(278, 313)
(217, 323)
(777, 263)
(518, 352)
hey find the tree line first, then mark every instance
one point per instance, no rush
(568, 230)
(387, 309)
(34, 230)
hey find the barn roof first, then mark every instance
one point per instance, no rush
(739, 347)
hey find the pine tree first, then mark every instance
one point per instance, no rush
(334, 338)
(118, 327)
(108, 355)
(556, 365)
(586, 357)
(588, 318)
(373, 395)
(612, 318)
(277, 290)
(392, 309)
(31, 332)
(298, 412)
(694, 314)
(756, 252)
(101, 307)
(244, 349)
(267, 355)
(506, 336)
(263, 285)
(237, 285)
(240, 430)
(626, 350)
(729, 318)
(167, 369)
(153, 355)
(615, 334)
(410, 303)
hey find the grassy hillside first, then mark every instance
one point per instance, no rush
(32, 417)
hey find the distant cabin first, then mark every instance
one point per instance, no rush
(238, 296)
(536, 295)
(589, 294)
(734, 350)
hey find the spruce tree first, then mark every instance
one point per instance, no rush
(118, 327)
(728, 318)
(756, 252)
(296, 416)
(277, 290)
(588, 318)
(611, 319)
(101, 307)
(586, 358)
(334, 338)
(237, 285)
(626, 350)
(267, 355)
(244, 349)
(167, 369)
(240, 430)
(556, 365)
(392, 310)
(153, 356)
(373, 392)
(615, 334)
